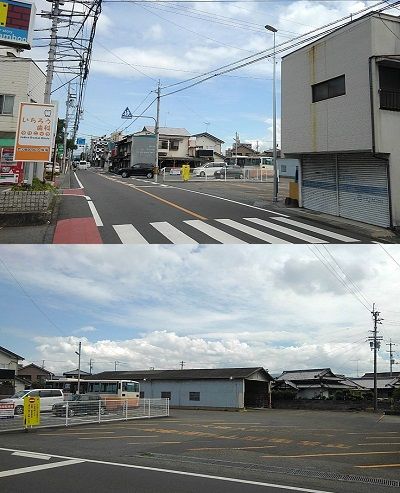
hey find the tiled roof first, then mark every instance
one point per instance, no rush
(10, 353)
(294, 375)
(179, 132)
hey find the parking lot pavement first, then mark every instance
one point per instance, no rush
(321, 451)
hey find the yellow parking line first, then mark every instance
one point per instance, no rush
(376, 466)
(119, 436)
(330, 454)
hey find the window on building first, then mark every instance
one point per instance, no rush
(6, 104)
(163, 144)
(165, 395)
(283, 168)
(141, 395)
(174, 145)
(194, 396)
(389, 88)
(329, 89)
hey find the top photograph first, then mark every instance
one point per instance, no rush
(199, 122)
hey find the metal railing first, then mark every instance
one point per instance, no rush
(253, 174)
(70, 413)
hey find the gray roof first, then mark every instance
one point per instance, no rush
(179, 132)
(210, 136)
(294, 375)
(10, 353)
(192, 374)
(381, 383)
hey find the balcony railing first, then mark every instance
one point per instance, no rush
(389, 100)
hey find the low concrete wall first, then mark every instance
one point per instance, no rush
(327, 405)
(27, 207)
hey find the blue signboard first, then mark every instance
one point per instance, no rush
(80, 141)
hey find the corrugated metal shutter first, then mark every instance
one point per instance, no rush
(363, 189)
(318, 180)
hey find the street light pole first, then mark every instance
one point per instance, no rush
(79, 366)
(275, 191)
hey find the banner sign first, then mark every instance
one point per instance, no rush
(143, 149)
(16, 23)
(31, 411)
(11, 172)
(80, 141)
(35, 132)
(6, 410)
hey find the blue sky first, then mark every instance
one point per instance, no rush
(139, 43)
(278, 307)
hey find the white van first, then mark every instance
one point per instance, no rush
(208, 169)
(48, 397)
(83, 165)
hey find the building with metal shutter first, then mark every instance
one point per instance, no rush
(341, 118)
(220, 388)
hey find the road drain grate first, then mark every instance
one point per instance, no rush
(311, 473)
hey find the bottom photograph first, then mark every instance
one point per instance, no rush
(169, 369)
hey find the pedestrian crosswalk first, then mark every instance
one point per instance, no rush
(230, 231)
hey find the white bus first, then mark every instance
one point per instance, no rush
(109, 390)
(244, 161)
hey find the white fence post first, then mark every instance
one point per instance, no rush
(100, 402)
(66, 413)
(126, 409)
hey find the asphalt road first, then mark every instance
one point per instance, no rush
(140, 211)
(260, 450)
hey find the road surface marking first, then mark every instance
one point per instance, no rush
(376, 466)
(32, 455)
(128, 234)
(24, 470)
(314, 229)
(214, 233)
(380, 443)
(329, 454)
(141, 443)
(181, 473)
(173, 234)
(232, 448)
(117, 437)
(95, 214)
(286, 231)
(252, 232)
(78, 180)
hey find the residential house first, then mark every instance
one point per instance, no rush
(316, 383)
(219, 388)
(241, 149)
(74, 374)
(34, 373)
(341, 118)
(9, 379)
(206, 146)
(385, 385)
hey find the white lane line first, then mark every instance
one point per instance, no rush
(252, 232)
(173, 234)
(213, 232)
(286, 231)
(32, 455)
(314, 229)
(25, 470)
(128, 234)
(95, 214)
(184, 473)
(78, 180)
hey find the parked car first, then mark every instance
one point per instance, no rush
(139, 169)
(208, 169)
(49, 168)
(48, 398)
(230, 172)
(79, 405)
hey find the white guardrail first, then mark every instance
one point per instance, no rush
(70, 413)
(253, 174)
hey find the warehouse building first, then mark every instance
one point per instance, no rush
(220, 388)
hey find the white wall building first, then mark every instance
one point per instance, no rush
(172, 142)
(199, 144)
(341, 118)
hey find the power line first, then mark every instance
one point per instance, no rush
(389, 255)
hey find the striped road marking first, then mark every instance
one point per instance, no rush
(286, 231)
(173, 234)
(24, 470)
(252, 232)
(128, 234)
(214, 233)
(314, 229)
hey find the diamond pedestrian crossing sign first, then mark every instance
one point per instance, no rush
(127, 113)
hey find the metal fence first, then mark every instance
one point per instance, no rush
(252, 174)
(70, 413)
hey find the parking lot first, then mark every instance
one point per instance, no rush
(320, 451)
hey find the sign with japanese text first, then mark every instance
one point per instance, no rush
(31, 411)
(35, 132)
(16, 23)
(6, 410)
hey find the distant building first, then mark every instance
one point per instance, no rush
(220, 388)
(206, 146)
(34, 373)
(9, 364)
(74, 374)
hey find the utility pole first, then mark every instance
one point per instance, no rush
(391, 359)
(182, 363)
(375, 344)
(157, 129)
(79, 366)
(91, 365)
(68, 103)
(236, 147)
(55, 12)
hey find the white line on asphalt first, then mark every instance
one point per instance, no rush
(128, 234)
(213, 232)
(173, 234)
(252, 232)
(33, 455)
(181, 473)
(96, 216)
(78, 180)
(286, 231)
(314, 229)
(24, 470)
